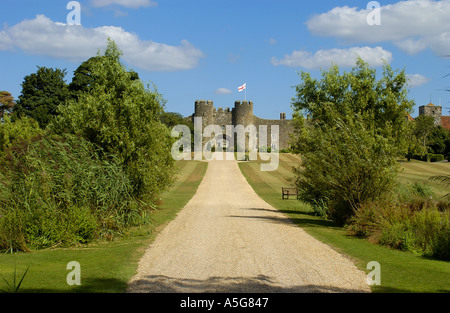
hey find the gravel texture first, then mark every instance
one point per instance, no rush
(227, 239)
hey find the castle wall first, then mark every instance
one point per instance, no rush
(242, 114)
(286, 128)
(222, 117)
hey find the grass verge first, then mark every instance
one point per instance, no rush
(105, 266)
(400, 271)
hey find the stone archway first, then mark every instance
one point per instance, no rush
(224, 143)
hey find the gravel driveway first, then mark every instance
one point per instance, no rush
(227, 239)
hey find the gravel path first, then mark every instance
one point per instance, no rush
(227, 239)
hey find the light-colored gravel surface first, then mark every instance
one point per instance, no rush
(227, 239)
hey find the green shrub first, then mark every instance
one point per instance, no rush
(432, 232)
(22, 129)
(436, 157)
(425, 232)
(398, 236)
(422, 190)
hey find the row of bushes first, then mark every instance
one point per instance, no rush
(414, 223)
(431, 157)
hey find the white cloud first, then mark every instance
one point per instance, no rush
(341, 57)
(222, 91)
(126, 3)
(42, 36)
(412, 46)
(412, 25)
(416, 80)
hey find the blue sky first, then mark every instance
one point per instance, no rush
(205, 49)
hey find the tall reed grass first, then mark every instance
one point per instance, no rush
(414, 222)
(58, 191)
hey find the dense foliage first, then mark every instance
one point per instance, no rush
(413, 222)
(357, 128)
(83, 161)
(6, 103)
(122, 116)
(433, 141)
(13, 133)
(42, 93)
(56, 190)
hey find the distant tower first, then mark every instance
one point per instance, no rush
(432, 110)
(204, 109)
(243, 115)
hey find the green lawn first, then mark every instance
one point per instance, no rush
(105, 266)
(400, 271)
(419, 171)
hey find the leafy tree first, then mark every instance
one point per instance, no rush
(42, 93)
(172, 119)
(122, 116)
(432, 138)
(438, 139)
(6, 103)
(419, 130)
(350, 145)
(424, 125)
(85, 78)
(382, 104)
(12, 133)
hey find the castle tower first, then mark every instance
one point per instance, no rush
(243, 115)
(432, 110)
(204, 109)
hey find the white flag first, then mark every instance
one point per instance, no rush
(241, 88)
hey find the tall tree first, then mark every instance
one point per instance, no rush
(423, 127)
(85, 77)
(123, 117)
(382, 104)
(349, 147)
(42, 93)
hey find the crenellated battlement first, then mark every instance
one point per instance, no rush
(244, 105)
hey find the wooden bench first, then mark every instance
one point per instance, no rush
(288, 191)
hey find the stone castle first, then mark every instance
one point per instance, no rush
(242, 114)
